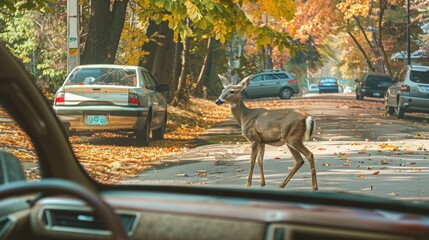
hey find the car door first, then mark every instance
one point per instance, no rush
(271, 85)
(254, 88)
(419, 83)
(156, 99)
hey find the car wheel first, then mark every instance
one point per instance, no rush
(158, 134)
(286, 93)
(142, 136)
(389, 110)
(400, 113)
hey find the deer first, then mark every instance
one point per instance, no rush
(277, 127)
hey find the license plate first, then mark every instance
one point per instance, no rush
(376, 94)
(97, 120)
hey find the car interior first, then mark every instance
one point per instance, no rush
(66, 203)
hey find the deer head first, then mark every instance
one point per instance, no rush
(231, 92)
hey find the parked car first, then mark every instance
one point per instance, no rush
(112, 98)
(348, 90)
(409, 92)
(372, 85)
(328, 85)
(274, 83)
(313, 88)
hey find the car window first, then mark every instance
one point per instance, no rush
(15, 141)
(281, 75)
(328, 80)
(270, 77)
(381, 81)
(258, 78)
(101, 76)
(419, 76)
(126, 135)
(148, 81)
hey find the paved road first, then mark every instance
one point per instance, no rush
(358, 149)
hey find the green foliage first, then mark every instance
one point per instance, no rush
(39, 41)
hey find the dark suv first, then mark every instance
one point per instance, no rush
(372, 85)
(271, 83)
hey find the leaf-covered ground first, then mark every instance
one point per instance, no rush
(109, 157)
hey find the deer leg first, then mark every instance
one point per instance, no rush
(253, 155)
(309, 155)
(261, 151)
(298, 163)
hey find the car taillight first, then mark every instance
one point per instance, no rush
(133, 99)
(405, 88)
(292, 81)
(59, 98)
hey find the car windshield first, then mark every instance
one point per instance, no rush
(101, 76)
(420, 76)
(378, 81)
(328, 80)
(183, 114)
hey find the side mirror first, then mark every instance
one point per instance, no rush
(10, 168)
(162, 87)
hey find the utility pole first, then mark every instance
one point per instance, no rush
(73, 39)
(408, 34)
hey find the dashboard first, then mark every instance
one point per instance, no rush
(152, 215)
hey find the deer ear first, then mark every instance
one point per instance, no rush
(225, 81)
(245, 82)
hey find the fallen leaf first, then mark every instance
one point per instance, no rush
(360, 176)
(376, 173)
(202, 174)
(392, 194)
(240, 170)
(346, 164)
(182, 175)
(326, 164)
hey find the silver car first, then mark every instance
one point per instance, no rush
(409, 92)
(275, 83)
(112, 98)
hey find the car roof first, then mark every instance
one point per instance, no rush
(419, 67)
(108, 66)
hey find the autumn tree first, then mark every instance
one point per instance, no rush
(105, 27)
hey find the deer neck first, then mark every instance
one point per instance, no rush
(238, 110)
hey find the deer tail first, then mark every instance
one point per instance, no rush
(310, 125)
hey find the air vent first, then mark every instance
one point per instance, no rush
(74, 220)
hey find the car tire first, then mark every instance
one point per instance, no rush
(286, 93)
(389, 110)
(400, 113)
(158, 134)
(143, 135)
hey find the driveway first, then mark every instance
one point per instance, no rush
(358, 149)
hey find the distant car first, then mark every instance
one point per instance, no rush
(275, 83)
(372, 85)
(348, 90)
(410, 92)
(328, 85)
(112, 98)
(313, 88)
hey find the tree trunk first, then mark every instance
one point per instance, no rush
(383, 5)
(150, 47)
(203, 68)
(368, 61)
(105, 28)
(180, 95)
